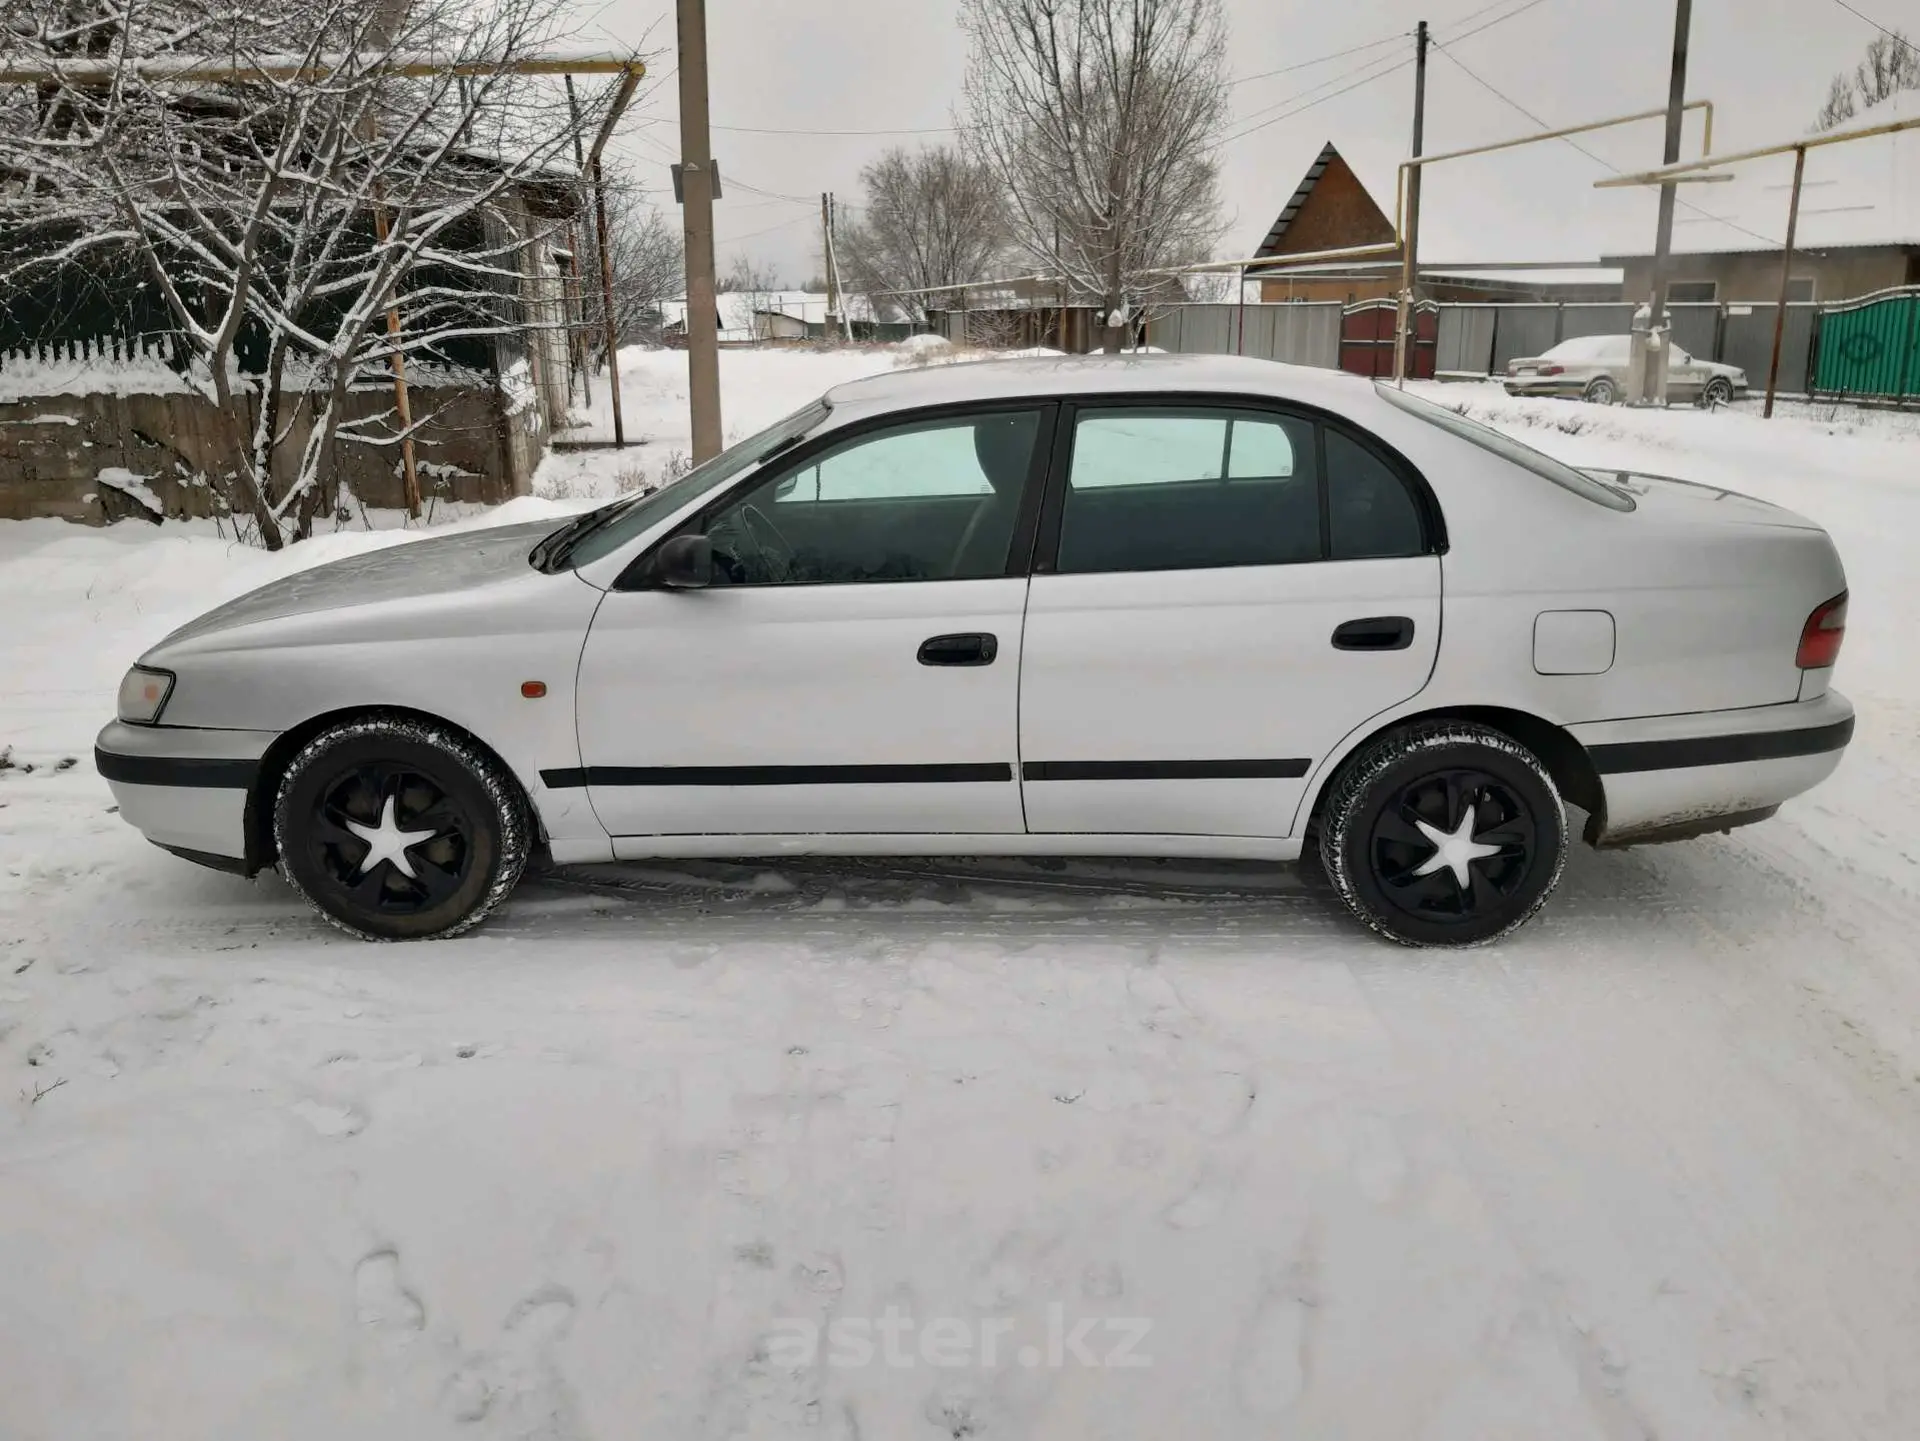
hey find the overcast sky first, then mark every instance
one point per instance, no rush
(783, 66)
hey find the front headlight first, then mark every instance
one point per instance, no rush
(143, 695)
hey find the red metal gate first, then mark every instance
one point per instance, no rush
(1367, 333)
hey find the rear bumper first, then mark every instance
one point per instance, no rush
(1526, 385)
(1668, 777)
(184, 788)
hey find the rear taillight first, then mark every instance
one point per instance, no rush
(1825, 629)
(1553, 370)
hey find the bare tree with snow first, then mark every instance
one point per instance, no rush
(757, 284)
(648, 265)
(933, 218)
(1098, 117)
(313, 198)
(1891, 64)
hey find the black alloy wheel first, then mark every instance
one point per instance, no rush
(1444, 834)
(397, 828)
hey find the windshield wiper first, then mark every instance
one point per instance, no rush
(551, 554)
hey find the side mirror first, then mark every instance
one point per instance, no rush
(684, 563)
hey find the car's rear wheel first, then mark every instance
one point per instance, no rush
(1444, 834)
(398, 828)
(1601, 390)
(1719, 391)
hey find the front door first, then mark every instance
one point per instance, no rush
(1232, 591)
(853, 667)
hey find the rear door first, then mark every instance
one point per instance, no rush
(1221, 592)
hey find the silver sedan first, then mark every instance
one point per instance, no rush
(1594, 368)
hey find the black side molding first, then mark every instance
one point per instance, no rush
(1626, 757)
(1165, 770)
(963, 773)
(176, 771)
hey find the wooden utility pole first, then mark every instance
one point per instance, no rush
(402, 402)
(578, 341)
(1786, 278)
(1410, 242)
(1655, 377)
(696, 162)
(826, 258)
(610, 315)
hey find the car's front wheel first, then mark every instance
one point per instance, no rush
(399, 828)
(1718, 392)
(1444, 834)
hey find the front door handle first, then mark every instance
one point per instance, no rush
(971, 648)
(1376, 632)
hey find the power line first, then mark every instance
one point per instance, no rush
(1506, 99)
(1302, 109)
(1376, 75)
(1497, 20)
(1893, 35)
(767, 230)
(1323, 59)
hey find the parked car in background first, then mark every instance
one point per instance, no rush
(1594, 368)
(1171, 605)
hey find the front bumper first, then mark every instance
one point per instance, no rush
(183, 787)
(1669, 777)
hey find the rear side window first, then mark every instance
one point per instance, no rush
(1371, 515)
(1508, 449)
(1189, 489)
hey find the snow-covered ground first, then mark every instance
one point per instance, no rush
(1136, 1150)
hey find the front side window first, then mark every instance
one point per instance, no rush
(927, 500)
(1189, 489)
(598, 533)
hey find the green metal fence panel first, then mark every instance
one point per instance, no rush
(1871, 347)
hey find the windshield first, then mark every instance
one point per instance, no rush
(598, 533)
(1509, 449)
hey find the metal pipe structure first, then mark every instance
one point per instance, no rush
(1405, 209)
(1739, 157)
(1786, 277)
(1706, 147)
(1666, 174)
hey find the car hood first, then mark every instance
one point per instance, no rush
(412, 571)
(1668, 498)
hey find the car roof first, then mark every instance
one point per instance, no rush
(1049, 375)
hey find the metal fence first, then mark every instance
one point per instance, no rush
(1872, 346)
(1480, 339)
(1302, 333)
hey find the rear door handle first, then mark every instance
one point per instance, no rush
(971, 648)
(1376, 632)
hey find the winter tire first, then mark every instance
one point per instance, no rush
(396, 828)
(1719, 392)
(1601, 390)
(1444, 834)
